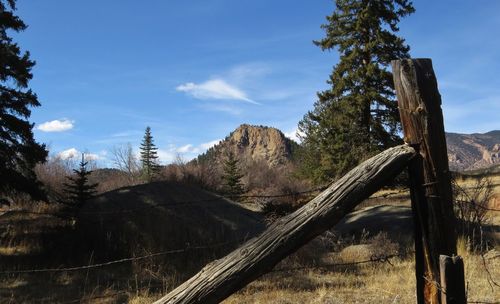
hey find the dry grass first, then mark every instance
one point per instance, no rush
(376, 283)
(323, 282)
(371, 283)
(380, 283)
(298, 279)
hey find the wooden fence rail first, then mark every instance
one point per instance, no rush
(221, 278)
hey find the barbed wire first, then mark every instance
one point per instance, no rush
(466, 202)
(119, 261)
(373, 259)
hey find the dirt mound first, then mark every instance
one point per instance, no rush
(163, 216)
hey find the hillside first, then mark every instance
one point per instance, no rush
(253, 143)
(163, 216)
(473, 151)
(178, 227)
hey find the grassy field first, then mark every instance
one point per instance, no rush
(312, 275)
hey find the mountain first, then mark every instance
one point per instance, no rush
(473, 151)
(253, 143)
(258, 143)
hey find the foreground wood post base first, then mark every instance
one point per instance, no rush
(452, 280)
(221, 278)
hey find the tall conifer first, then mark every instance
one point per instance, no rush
(358, 115)
(19, 152)
(149, 157)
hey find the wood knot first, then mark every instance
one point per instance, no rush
(244, 251)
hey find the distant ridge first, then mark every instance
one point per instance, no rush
(473, 151)
(466, 152)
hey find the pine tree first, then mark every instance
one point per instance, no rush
(358, 115)
(78, 190)
(19, 152)
(232, 185)
(149, 157)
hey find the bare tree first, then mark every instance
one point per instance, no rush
(53, 174)
(471, 208)
(125, 160)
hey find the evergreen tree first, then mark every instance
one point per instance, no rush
(358, 115)
(232, 177)
(19, 152)
(78, 190)
(149, 157)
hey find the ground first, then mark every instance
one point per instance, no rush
(367, 258)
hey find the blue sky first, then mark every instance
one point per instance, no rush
(194, 70)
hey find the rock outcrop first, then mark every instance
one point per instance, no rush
(254, 143)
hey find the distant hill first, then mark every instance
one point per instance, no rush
(473, 151)
(257, 143)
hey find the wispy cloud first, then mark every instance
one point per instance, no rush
(475, 115)
(214, 89)
(126, 133)
(210, 144)
(189, 148)
(224, 108)
(56, 125)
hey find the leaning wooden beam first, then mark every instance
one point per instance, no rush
(221, 278)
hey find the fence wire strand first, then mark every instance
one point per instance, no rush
(119, 261)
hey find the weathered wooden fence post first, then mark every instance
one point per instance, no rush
(452, 280)
(431, 193)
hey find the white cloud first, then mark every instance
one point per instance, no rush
(70, 153)
(214, 89)
(186, 152)
(294, 135)
(73, 153)
(91, 156)
(56, 125)
(208, 145)
(166, 156)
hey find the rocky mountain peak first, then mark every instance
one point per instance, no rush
(257, 143)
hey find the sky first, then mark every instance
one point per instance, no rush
(194, 70)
